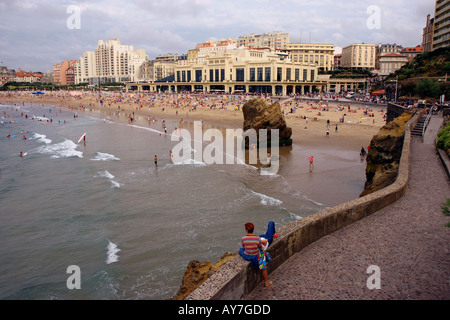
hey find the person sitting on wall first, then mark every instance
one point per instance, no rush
(253, 248)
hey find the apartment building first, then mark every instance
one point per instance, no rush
(60, 72)
(359, 56)
(110, 62)
(273, 40)
(320, 54)
(85, 67)
(441, 32)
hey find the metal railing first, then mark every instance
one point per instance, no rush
(427, 121)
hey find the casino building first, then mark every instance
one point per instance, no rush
(240, 70)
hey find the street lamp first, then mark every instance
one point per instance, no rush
(396, 88)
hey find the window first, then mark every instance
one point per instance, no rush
(189, 76)
(222, 74)
(268, 71)
(183, 76)
(240, 73)
(312, 75)
(198, 75)
(260, 74)
(279, 74)
(211, 75)
(288, 74)
(217, 75)
(178, 76)
(305, 75)
(252, 74)
(297, 74)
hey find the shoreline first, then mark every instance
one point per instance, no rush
(338, 174)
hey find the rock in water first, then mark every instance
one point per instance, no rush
(259, 115)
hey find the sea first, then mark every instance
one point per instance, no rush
(129, 227)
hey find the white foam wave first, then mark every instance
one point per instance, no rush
(108, 175)
(190, 162)
(41, 138)
(266, 200)
(65, 149)
(40, 118)
(104, 157)
(147, 129)
(111, 253)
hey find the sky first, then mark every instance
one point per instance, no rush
(35, 34)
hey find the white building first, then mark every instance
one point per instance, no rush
(110, 62)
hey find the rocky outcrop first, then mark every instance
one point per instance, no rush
(198, 272)
(384, 154)
(259, 115)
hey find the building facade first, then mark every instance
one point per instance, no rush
(85, 68)
(30, 77)
(243, 71)
(273, 40)
(110, 62)
(411, 52)
(6, 75)
(391, 62)
(320, 54)
(383, 49)
(60, 72)
(427, 35)
(359, 56)
(436, 33)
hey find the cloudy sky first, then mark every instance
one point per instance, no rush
(34, 34)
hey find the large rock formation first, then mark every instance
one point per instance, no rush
(259, 115)
(198, 272)
(384, 154)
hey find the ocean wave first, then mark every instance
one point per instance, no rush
(104, 157)
(190, 162)
(111, 254)
(41, 138)
(108, 175)
(266, 200)
(65, 149)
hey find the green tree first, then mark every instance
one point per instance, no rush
(427, 88)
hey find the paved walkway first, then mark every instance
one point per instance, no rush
(406, 240)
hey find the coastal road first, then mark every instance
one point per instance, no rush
(400, 252)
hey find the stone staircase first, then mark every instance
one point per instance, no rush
(418, 129)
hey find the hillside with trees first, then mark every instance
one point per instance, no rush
(424, 77)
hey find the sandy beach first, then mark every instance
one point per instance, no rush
(350, 127)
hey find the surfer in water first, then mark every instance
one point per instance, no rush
(84, 140)
(156, 161)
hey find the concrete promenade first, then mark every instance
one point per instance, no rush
(408, 241)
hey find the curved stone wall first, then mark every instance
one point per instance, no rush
(236, 278)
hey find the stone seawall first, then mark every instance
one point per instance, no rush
(236, 278)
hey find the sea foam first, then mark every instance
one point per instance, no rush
(111, 254)
(104, 157)
(65, 149)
